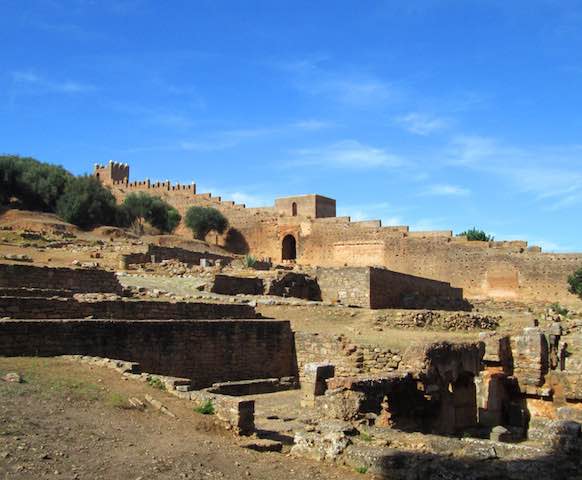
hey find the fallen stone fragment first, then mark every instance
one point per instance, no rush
(136, 403)
(262, 445)
(159, 406)
(12, 377)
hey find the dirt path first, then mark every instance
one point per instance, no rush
(69, 421)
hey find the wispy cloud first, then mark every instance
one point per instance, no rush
(348, 154)
(551, 173)
(312, 124)
(446, 190)
(351, 88)
(429, 224)
(421, 123)
(237, 195)
(29, 82)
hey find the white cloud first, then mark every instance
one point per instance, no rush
(429, 224)
(446, 190)
(238, 196)
(348, 154)
(33, 83)
(421, 123)
(312, 124)
(355, 89)
(552, 173)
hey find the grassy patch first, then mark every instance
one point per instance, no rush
(205, 408)
(43, 378)
(75, 389)
(365, 436)
(156, 383)
(361, 469)
(116, 400)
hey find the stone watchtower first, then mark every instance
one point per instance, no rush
(111, 173)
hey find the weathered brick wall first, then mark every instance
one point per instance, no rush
(492, 269)
(349, 359)
(78, 280)
(207, 352)
(389, 289)
(57, 308)
(230, 285)
(349, 286)
(183, 255)
(380, 288)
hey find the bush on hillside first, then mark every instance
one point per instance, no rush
(575, 281)
(87, 204)
(36, 185)
(476, 235)
(138, 208)
(202, 220)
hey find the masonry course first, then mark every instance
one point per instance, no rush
(205, 351)
(61, 308)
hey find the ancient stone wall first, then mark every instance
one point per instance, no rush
(348, 358)
(77, 280)
(481, 269)
(231, 285)
(206, 352)
(57, 308)
(380, 288)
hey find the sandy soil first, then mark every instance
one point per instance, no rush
(71, 421)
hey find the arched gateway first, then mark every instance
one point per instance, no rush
(289, 248)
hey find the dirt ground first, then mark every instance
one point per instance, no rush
(72, 421)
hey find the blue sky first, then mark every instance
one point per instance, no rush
(434, 114)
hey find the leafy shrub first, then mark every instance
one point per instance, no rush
(249, 261)
(202, 220)
(474, 234)
(575, 281)
(141, 207)
(559, 309)
(205, 408)
(86, 203)
(361, 470)
(36, 185)
(156, 383)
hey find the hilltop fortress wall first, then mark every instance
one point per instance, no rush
(305, 229)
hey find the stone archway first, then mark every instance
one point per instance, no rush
(289, 248)
(294, 209)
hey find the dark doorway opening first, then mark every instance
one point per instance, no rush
(289, 248)
(294, 209)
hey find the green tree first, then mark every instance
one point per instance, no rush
(87, 204)
(36, 185)
(575, 281)
(141, 207)
(202, 220)
(474, 234)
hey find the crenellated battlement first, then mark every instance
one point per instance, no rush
(111, 172)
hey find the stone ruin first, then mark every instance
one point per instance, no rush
(304, 230)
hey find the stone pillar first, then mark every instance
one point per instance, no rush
(314, 381)
(123, 265)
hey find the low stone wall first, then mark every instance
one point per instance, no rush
(66, 308)
(77, 280)
(349, 359)
(159, 253)
(292, 284)
(371, 287)
(230, 285)
(205, 351)
(438, 320)
(36, 292)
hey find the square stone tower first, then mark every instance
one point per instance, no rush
(111, 173)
